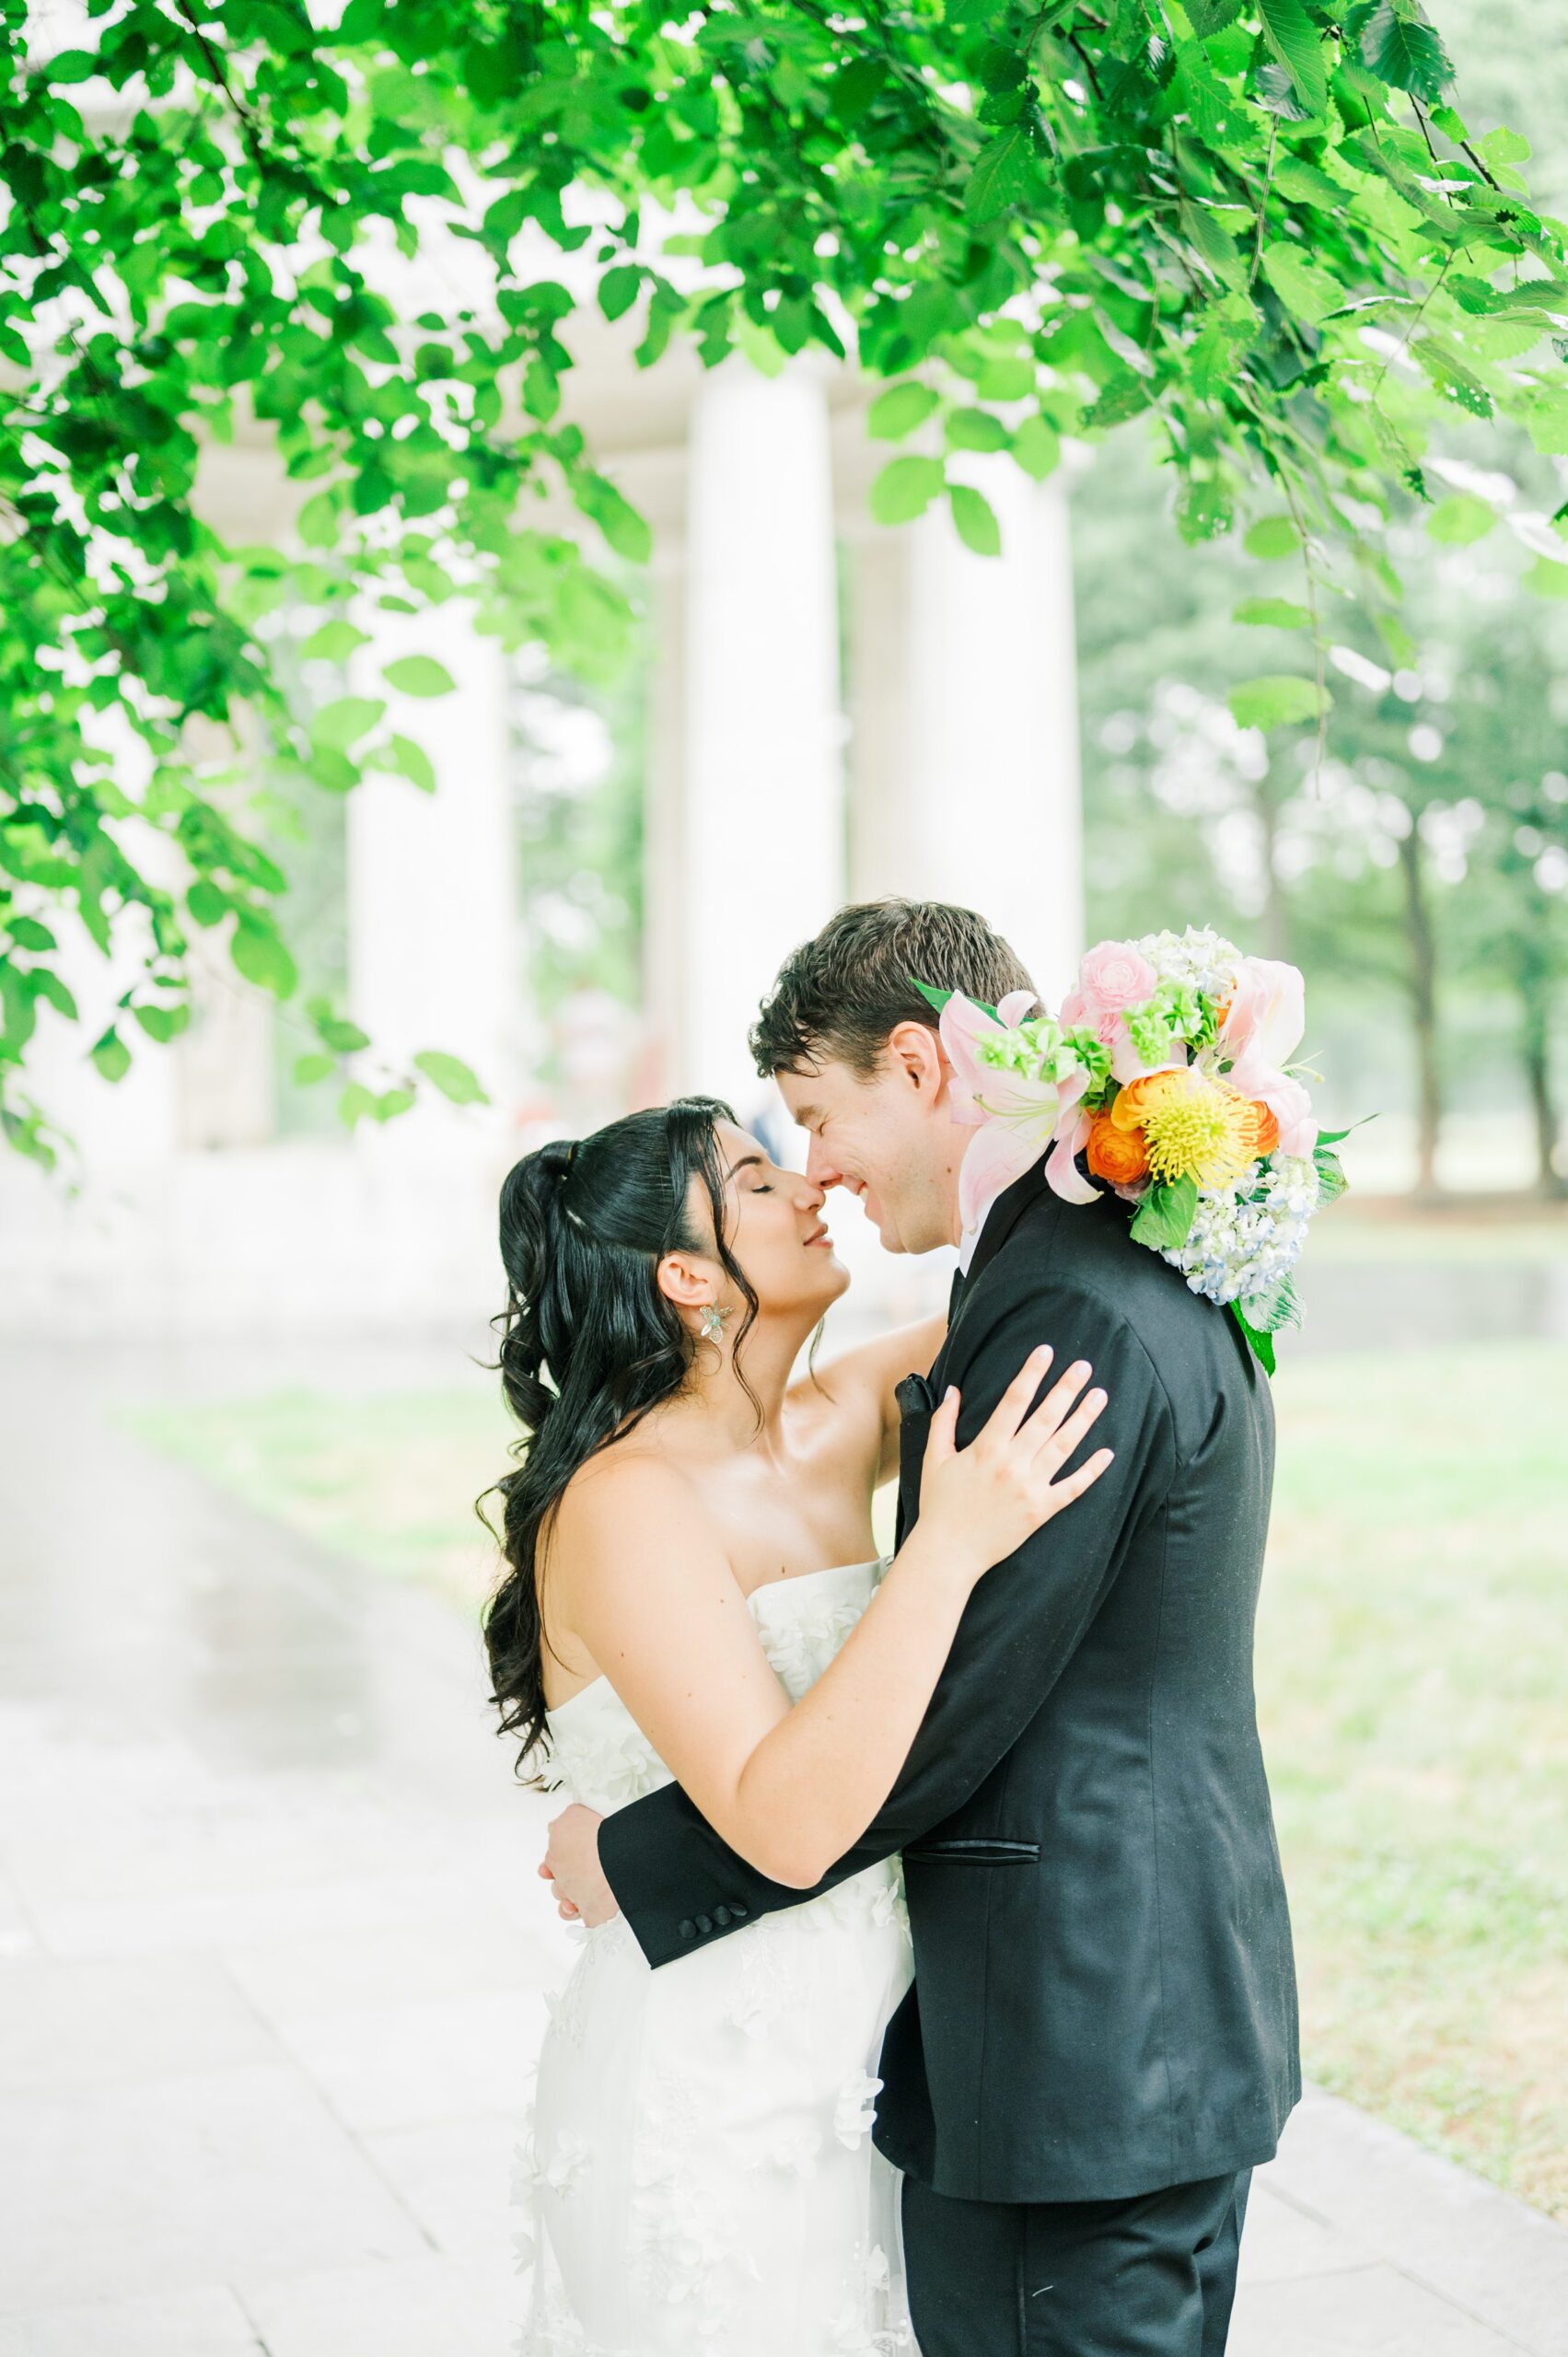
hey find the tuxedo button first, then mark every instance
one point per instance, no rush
(721, 1915)
(705, 1925)
(686, 1928)
(737, 1910)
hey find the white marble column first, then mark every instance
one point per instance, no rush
(966, 782)
(762, 823)
(435, 947)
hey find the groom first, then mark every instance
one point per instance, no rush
(1100, 2042)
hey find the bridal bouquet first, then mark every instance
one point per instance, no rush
(1168, 1071)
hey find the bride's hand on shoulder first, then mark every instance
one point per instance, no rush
(979, 1504)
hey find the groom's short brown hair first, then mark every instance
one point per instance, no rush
(839, 996)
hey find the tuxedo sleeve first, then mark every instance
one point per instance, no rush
(679, 1885)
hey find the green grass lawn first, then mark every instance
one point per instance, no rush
(1411, 1652)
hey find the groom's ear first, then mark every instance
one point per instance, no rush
(916, 1052)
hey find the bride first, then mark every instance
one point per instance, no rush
(692, 1592)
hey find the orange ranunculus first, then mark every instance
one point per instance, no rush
(1116, 1152)
(1268, 1131)
(1140, 1097)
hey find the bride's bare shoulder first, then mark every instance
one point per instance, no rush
(636, 1484)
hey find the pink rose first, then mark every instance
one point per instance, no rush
(1114, 975)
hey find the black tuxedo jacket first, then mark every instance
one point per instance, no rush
(1105, 1999)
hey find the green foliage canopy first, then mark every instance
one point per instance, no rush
(1261, 224)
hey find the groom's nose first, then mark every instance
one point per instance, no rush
(820, 1168)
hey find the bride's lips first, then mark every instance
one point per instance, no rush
(818, 1235)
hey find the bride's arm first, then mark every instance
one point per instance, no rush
(648, 1589)
(868, 1376)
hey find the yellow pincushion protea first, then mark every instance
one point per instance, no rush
(1194, 1127)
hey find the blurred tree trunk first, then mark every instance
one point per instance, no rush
(1422, 980)
(1550, 1181)
(1276, 929)
(1535, 993)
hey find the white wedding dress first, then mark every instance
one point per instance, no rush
(699, 2179)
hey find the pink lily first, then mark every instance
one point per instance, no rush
(1268, 1011)
(994, 1156)
(1286, 1099)
(1071, 1136)
(1263, 1030)
(1008, 1095)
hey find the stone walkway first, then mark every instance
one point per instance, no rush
(272, 1955)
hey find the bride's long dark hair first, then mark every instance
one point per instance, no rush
(588, 1342)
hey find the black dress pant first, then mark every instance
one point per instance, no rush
(1151, 2277)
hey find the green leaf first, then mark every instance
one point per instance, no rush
(405, 759)
(1544, 579)
(1164, 1218)
(900, 411)
(1452, 377)
(622, 526)
(1036, 446)
(1331, 1180)
(1294, 37)
(975, 519)
(162, 1022)
(342, 722)
(111, 1055)
(1203, 509)
(314, 1067)
(343, 1038)
(1279, 701)
(1457, 521)
(72, 66)
(975, 429)
(1262, 1343)
(1272, 613)
(1272, 536)
(1268, 1312)
(1301, 287)
(938, 999)
(1010, 378)
(356, 1103)
(451, 1076)
(905, 488)
(1215, 244)
(1402, 50)
(321, 520)
(27, 933)
(1001, 175)
(259, 953)
(1504, 146)
(206, 903)
(1229, 327)
(618, 289)
(1294, 176)
(335, 641)
(419, 675)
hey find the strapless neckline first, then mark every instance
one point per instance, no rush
(767, 1587)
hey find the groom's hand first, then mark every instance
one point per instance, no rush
(571, 1863)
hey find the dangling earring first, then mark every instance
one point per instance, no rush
(713, 1314)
